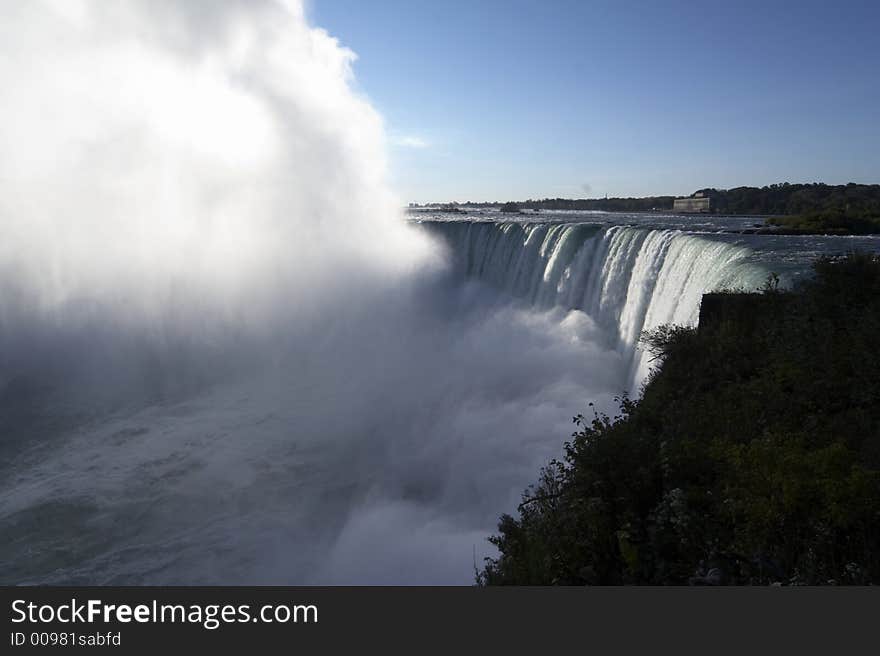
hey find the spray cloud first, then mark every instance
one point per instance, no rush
(224, 356)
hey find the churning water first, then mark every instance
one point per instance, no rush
(225, 355)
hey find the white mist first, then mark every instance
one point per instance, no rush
(224, 356)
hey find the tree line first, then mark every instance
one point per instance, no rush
(851, 199)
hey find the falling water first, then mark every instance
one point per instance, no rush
(629, 280)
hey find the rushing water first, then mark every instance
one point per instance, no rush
(225, 357)
(630, 273)
(627, 279)
(379, 447)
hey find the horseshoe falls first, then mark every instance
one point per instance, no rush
(627, 279)
(226, 354)
(376, 443)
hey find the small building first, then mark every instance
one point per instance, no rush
(698, 203)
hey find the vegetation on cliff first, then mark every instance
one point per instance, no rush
(753, 456)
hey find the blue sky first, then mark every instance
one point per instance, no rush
(492, 99)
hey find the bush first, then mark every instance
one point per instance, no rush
(753, 455)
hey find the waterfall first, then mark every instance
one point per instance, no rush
(627, 279)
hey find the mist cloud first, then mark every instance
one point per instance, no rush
(224, 355)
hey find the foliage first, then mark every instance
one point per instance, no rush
(798, 199)
(853, 201)
(829, 222)
(753, 456)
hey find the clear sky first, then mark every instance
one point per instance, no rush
(509, 99)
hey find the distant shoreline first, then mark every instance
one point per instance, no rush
(794, 209)
(465, 209)
(782, 199)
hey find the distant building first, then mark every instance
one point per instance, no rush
(697, 204)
